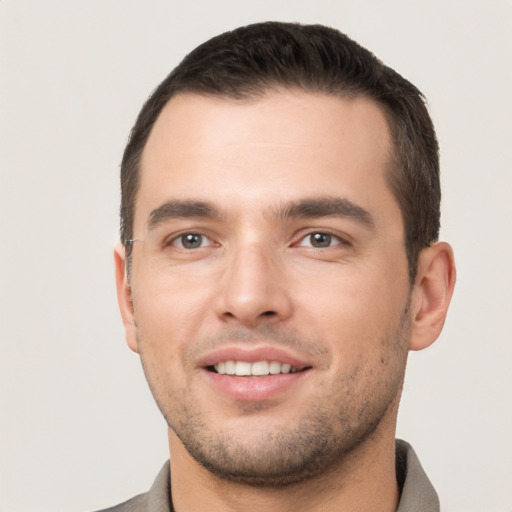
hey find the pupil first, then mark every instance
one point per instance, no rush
(321, 240)
(191, 241)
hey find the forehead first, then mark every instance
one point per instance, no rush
(283, 146)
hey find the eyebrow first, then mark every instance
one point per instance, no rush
(327, 207)
(179, 209)
(305, 208)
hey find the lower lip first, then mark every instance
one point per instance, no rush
(254, 389)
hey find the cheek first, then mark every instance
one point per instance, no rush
(168, 314)
(171, 298)
(352, 309)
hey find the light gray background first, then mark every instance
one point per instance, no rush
(78, 427)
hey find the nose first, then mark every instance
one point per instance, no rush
(253, 289)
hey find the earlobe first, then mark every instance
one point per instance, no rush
(432, 294)
(124, 296)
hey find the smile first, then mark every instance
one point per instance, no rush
(253, 374)
(256, 369)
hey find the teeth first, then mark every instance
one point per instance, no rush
(242, 368)
(274, 368)
(258, 368)
(230, 367)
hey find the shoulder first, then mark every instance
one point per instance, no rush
(158, 499)
(136, 504)
(417, 492)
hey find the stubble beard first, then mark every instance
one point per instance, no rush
(321, 440)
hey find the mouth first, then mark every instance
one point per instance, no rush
(254, 369)
(255, 374)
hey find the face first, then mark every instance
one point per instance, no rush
(269, 281)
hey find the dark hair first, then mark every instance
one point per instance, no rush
(250, 61)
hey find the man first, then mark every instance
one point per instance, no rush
(278, 260)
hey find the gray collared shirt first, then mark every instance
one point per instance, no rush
(417, 493)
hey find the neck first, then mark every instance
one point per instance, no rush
(365, 480)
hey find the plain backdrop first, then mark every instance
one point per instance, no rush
(78, 427)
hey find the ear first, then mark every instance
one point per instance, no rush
(124, 296)
(432, 294)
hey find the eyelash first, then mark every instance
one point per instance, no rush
(329, 235)
(181, 236)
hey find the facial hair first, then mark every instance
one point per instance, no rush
(343, 413)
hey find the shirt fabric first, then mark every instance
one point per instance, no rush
(417, 493)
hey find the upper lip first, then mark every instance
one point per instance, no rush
(252, 355)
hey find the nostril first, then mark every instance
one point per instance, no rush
(268, 313)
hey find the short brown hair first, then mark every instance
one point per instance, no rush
(250, 61)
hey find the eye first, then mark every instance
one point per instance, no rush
(320, 240)
(191, 241)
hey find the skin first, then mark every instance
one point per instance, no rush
(345, 310)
